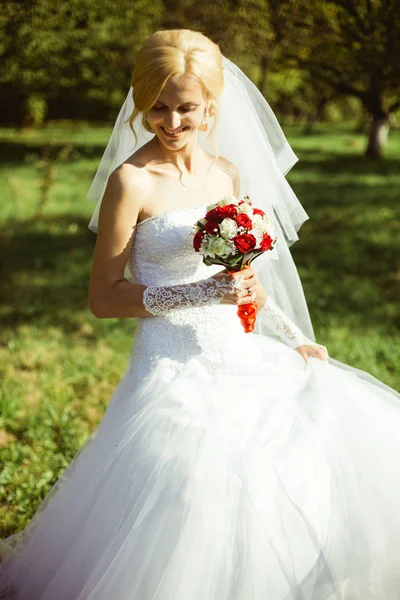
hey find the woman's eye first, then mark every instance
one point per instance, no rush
(184, 109)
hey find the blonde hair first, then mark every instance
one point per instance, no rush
(175, 52)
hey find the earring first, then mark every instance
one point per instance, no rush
(204, 122)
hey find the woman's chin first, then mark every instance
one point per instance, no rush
(175, 143)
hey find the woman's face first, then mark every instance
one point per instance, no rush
(178, 112)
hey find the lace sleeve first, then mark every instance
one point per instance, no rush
(159, 301)
(282, 326)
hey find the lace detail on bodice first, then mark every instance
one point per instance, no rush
(163, 255)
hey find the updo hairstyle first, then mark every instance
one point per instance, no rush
(168, 53)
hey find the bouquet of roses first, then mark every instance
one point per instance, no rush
(233, 234)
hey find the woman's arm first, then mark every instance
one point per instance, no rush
(110, 295)
(279, 323)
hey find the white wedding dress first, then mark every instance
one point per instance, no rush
(225, 467)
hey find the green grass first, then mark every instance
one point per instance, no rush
(349, 251)
(59, 365)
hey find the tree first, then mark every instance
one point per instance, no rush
(355, 49)
(76, 56)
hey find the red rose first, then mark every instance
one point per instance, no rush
(211, 227)
(244, 242)
(219, 213)
(266, 242)
(258, 211)
(229, 211)
(198, 238)
(214, 215)
(244, 220)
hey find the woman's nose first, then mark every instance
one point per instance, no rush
(172, 120)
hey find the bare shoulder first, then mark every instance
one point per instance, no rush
(231, 170)
(128, 178)
(126, 191)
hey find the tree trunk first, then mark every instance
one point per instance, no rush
(378, 136)
(314, 117)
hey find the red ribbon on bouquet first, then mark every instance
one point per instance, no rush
(247, 313)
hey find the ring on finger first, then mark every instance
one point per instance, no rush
(237, 282)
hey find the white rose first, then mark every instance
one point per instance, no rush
(261, 223)
(268, 226)
(258, 234)
(257, 221)
(258, 226)
(228, 228)
(258, 237)
(228, 200)
(245, 208)
(257, 229)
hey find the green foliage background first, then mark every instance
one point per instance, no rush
(327, 68)
(73, 59)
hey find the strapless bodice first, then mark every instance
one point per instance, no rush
(163, 255)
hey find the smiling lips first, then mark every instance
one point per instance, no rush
(174, 133)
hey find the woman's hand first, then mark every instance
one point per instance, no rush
(308, 350)
(247, 287)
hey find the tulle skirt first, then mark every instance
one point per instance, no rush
(262, 478)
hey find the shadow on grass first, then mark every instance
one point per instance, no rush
(45, 269)
(14, 153)
(356, 164)
(349, 251)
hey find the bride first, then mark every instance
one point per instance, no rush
(228, 466)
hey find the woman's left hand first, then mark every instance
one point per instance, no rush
(308, 351)
(258, 293)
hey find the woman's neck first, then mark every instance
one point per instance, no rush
(187, 160)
